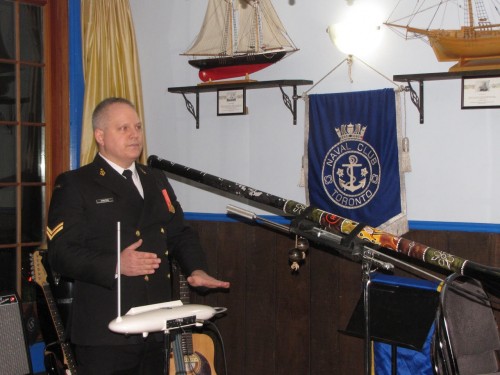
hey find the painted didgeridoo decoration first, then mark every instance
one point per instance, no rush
(412, 249)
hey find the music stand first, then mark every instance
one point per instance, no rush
(401, 312)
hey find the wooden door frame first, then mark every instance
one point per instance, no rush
(57, 99)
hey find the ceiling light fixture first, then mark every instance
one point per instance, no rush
(359, 32)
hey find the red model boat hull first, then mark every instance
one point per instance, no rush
(214, 69)
(226, 72)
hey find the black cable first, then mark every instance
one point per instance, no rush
(216, 329)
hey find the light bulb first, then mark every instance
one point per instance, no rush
(359, 33)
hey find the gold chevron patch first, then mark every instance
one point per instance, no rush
(52, 232)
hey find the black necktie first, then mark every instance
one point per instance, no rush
(127, 173)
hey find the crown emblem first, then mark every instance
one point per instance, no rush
(350, 132)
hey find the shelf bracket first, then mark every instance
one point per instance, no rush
(288, 103)
(291, 103)
(417, 99)
(195, 112)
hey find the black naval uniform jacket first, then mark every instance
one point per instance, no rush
(82, 237)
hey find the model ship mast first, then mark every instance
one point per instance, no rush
(237, 38)
(475, 45)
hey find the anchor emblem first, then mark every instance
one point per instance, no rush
(351, 185)
(351, 169)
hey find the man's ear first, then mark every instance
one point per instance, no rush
(99, 136)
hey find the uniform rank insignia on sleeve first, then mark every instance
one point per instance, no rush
(51, 233)
(170, 206)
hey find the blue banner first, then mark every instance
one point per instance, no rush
(408, 362)
(352, 151)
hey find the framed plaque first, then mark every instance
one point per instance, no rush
(480, 92)
(231, 102)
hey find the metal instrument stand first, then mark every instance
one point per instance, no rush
(366, 268)
(365, 278)
(349, 245)
(353, 247)
(167, 345)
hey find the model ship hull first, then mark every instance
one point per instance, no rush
(217, 68)
(472, 48)
(452, 45)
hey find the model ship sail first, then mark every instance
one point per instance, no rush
(237, 38)
(475, 43)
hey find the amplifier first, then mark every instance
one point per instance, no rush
(14, 357)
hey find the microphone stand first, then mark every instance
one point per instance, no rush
(366, 266)
(349, 245)
(167, 345)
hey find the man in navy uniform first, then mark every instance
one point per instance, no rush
(86, 205)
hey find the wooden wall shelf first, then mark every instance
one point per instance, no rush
(418, 99)
(243, 84)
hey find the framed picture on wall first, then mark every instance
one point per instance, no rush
(231, 102)
(480, 92)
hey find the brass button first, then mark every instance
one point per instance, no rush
(168, 275)
(166, 253)
(138, 233)
(162, 231)
(146, 278)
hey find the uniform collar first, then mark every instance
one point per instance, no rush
(117, 168)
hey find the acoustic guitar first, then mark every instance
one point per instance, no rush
(55, 364)
(193, 353)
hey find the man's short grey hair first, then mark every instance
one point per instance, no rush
(101, 108)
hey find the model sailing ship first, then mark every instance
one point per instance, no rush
(475, 45)
(237, 38)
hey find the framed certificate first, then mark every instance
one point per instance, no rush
(480, 92)
(231, 102)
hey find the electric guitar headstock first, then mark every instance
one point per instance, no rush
(37, 269)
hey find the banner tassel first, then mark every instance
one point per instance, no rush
(405, 144)
(405, 155)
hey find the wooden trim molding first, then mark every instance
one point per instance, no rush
(34, 2)
(56, 91)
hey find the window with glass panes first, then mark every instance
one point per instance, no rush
(22, 142)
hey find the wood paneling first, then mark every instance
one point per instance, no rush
(282, 322)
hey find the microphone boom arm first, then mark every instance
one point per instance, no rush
(317, 235)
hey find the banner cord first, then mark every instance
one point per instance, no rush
(349, 59)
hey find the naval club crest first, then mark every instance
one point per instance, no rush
(351, 170)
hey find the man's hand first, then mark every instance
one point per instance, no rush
(200, 278)
(137, 263)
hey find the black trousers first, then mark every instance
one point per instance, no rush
(147, 358)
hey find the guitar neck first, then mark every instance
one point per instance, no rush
(184, 290)
(59, 328)
(53, 312)
(187, 338)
